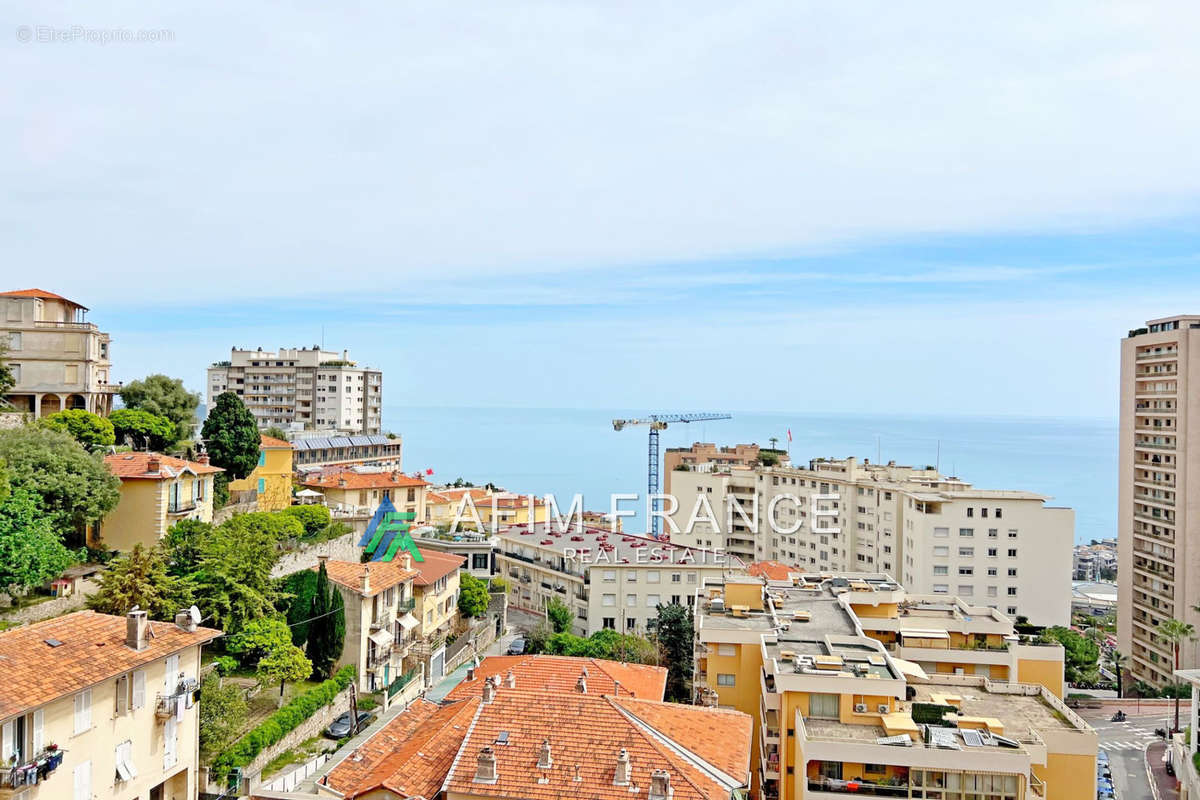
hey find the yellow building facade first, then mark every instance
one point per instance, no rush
(270, 482)
(156, 492)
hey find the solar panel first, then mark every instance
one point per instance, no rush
(971, 738)
(944, 738)
(1004, 741)
(901, 740)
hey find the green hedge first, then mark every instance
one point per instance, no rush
(281, 723)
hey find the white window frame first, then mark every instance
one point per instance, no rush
(83, 712)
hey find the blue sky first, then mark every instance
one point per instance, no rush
(770, 206)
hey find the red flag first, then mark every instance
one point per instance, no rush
(428, 471)
(789, 434)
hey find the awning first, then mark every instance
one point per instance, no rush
(382, 637)
(910, 669)
(308, 493)
(408, 622)
(919, 634)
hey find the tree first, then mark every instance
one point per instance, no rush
(675, 639)
(223, 712)
(7, 379)
(142, 430)
(472, 596)
(559, 615)
(30, 551)
(285, 665)
(1119, 661)
(165, 397)
(267, 644)
(233, 584)
(88, 429)
(1176, 632)
(314, 518)
(1080, 654)
(300, 588)
(183, 545)
(275, 432)
(73, 487)
(324, 643)
(231, 436)
(139, 579)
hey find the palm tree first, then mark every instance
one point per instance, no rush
(774, 441)
(1119, 660)
(1176, 632)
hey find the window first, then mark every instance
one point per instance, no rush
(676, 577)
(480, 561)
(966, 570)
(726, 679)
(970, 512)
(171, 675)
(631, 576)
(1012, 533)
(1012, 610)
(991, 591)
(83, 781)
(610, 575)
(71, 374)
(726, 650)
(941, 533)
(991, 572)
(823, 705)
(941, 550)
(1012, 572)
(941, 588)
(262, 485)
(653, 601)
(83, 711)
(610, 622)
(631, 600)
(966, 551)
(993, 533)
(691, 577)
(262, 458)
(198, 488)
(124, 760)
(1012, 591)
(170, 742)
(652, 576)
(631, 624)
(139, 689)
(1012, 552)
(966, 531)
(941, 569)
(998, 513)
(14, 341)
(992, 552)
(965, 590)
(122, 695)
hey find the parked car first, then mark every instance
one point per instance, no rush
(516, 647)
(1102, 757)
(340, 727)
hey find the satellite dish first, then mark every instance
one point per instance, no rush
(136, 607)
(194, 613)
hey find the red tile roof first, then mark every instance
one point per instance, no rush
(92, 650)
(362, 480)
(383, 574)
(40, 294)
(586, 732)
(271, 443)
(436, 566)
(561, 673)
(773, 570)
(128, 466)
(723, 742)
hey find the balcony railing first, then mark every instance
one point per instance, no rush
(858, 787)
(69, 326)
(407, 605)
(382, 620)
(47, 761)
(182, 507)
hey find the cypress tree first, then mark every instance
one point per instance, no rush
(327, 628)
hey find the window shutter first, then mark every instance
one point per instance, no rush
(171, 676)
(122, 694)
(6, 747)
(83, 711)
(83, 781)
(39, 731)
(139, 688)
(169, 742)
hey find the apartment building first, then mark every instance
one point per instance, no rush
(706, 455)
(477, 550)
(1158, 576)
(99, 707)
(156, 492)
(314, 388)
(360, 490)
(1004, 549)
(59, 360)
(380, 626)
(435, 587)
(329, 449)
(269, 484)
(564, 729)
(837, 712)
(608, 580)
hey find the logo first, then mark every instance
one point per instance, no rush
(388, 533)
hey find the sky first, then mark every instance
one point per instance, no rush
(935, 208)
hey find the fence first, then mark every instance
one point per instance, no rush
(402, 681)
(292, 780)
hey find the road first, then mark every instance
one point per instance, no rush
(1125, 743)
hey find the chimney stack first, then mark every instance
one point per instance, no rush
(485, 771)
(471, 672)
(581, 684)
(136, 629)
(545, 761)
(202, 458)
(153, 464)
(624, 769)
(616, 688)
(366, 581)
(185, 622)
(660, 785)
(406, 560)
(510, 680)
(489, 691)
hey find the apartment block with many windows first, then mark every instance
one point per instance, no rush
(1158, 576)
(98, 707)
(1006, 550)
(312, 388)
(837, 712)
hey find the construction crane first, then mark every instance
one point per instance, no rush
(659, 422)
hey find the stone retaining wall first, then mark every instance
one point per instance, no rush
(51, 608)
(343, 548)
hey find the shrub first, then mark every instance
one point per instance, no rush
(314, 518)
(281, 723)
(225, 664)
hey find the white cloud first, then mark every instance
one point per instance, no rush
(270, 151)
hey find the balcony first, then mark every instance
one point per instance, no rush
(182, 507)
(45, 762)
(1146, 355)
(858, 787)
(65, 326)
(406, 605)
(382, 620)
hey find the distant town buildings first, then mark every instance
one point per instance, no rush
(59, 359)
(705, 456)
(310, 387)
(360, 490)
(314, 449)
(1159, 577)
(1003, 549)
(1095, 562)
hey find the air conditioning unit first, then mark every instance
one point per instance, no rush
(883, 708)
(860, 708)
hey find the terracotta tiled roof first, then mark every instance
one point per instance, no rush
(586, 732)
(383, 574)
(128, 466)
(561, 673)
(271, 443)
(411, 755)
(511, 501)
(436, 566)
(455, 495)
(721, 737)
(92, 650)
(362, 480)
(40, 294)
(773, 570)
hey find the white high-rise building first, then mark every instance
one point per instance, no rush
(312, 388)
(939, 535)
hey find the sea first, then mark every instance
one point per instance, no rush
(568, 451)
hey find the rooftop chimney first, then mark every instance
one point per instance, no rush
(136, 629)
(616, 687)
(489, 691)
(202, 458)
(510, 680)
(544, 759)
(660, 785)
(366, 580)
(581, 684)
(471, 672)
(485, 771)
(624, 769)
(185, 621)
(153, 464)
(406, 560)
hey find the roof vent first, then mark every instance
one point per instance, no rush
(544, 759)
(136, 625)
(485, 770)
(624, 769)
(660, 785)
(581, 684)
(510, 680)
